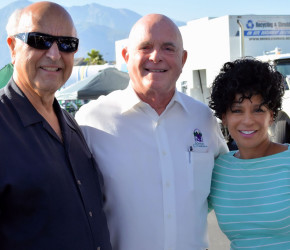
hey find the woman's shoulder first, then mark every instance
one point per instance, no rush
(227, 156)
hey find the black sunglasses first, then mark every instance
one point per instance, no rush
(44, 41)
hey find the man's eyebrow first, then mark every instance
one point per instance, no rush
(163, 44)
(144, 44)
(169, 44)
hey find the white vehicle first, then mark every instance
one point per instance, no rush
(280, 129)
(282, 64)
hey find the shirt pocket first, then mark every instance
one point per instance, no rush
(199, 171)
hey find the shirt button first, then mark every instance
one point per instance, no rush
(90, 214)
(168, 216)
(79, 182)
(168, 184)
(164, 153)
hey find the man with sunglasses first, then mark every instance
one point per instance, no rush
(50, 197)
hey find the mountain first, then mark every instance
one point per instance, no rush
(98, 28)
(4, 15)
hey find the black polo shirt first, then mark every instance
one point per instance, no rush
(49, 191)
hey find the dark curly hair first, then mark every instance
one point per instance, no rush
(247, 77)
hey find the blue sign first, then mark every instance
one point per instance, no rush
(267, 32)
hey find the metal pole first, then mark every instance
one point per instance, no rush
(242, 46)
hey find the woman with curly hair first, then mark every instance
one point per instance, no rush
(250, 190)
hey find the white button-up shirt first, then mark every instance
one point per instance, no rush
(156, 169)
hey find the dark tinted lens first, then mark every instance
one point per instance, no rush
(43, 41)
(67, 44)
(38, 41)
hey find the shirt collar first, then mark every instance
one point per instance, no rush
(25, 110)
(132, 100)
(177, 98)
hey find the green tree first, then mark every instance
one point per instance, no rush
(95, 58)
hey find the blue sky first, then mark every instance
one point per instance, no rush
(186, 10)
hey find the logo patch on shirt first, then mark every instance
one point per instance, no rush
(197, 136)
(199, 141)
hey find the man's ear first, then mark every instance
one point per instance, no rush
(125, 54)
(11, 44)
(184, 57)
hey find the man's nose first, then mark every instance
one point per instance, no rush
(53, 52)
(155, 56)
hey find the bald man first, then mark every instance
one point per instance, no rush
(155, 146)
(50, 197)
